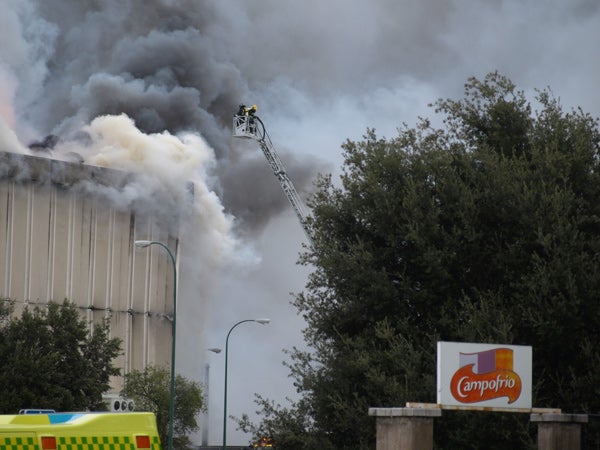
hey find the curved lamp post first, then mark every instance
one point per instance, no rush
(142, 244)
(262, 322)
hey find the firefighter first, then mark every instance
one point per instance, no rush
(243, 110)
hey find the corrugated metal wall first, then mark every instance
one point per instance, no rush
(56, 242)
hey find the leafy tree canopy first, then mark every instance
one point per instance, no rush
(151, 389)
(484, 230)
(51, 360)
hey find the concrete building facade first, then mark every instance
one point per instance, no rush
(61, 237)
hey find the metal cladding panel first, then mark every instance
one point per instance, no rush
(81, 251)
(59, 238)
(18, 238)
(121, 268)
(39, 246)
(58, 243)
(102, 234)
(5, 237)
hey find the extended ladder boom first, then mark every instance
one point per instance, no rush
(248, 125)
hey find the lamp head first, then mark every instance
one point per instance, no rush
(263, 321)
(142, 244)
(214, 350)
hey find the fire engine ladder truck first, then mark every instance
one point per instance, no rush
(248, 125)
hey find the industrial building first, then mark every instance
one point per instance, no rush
(62, 236)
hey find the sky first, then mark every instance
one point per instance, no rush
(117, 78)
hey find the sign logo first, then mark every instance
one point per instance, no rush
(485, 376)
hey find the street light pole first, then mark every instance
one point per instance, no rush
(206, 399)
(142, 244)
(262, 322)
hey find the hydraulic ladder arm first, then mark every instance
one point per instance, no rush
(247, 125)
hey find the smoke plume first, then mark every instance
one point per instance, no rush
(162, 63)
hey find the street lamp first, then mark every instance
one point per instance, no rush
(143, 244)
(262, 322)
(206, 399)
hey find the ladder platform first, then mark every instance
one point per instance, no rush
(244, 126)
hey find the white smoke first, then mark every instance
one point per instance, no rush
(9, 140)
(168, 164)
(8, 137)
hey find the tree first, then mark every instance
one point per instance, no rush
(484, 230)
(51, 360)
(292, 428)
(150, 389)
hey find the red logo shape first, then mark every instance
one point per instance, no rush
(494, 379)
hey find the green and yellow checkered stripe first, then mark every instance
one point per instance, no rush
(77, 443)
(102, 443)
(155, 443)
(95, 443)
(18, 443)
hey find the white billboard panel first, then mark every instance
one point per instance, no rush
(484, 375)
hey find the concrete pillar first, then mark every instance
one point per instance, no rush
(559, 431)
(405, 428)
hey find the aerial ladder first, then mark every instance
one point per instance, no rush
(246, 124)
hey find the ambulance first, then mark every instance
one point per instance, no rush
(79, 431)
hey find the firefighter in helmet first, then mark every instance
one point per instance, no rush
(243, 110)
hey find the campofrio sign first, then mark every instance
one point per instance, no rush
(484, 376)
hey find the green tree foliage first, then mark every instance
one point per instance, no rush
(484, 230)
(51, 360)
(151, 388)
(291, 428)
